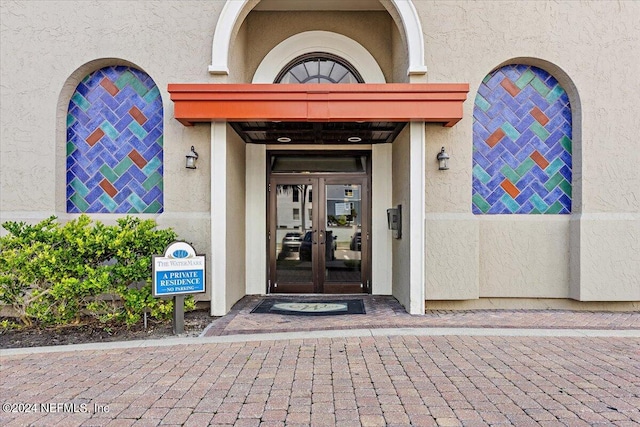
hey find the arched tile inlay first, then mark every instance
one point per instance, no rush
(114, 144)
(521, 144)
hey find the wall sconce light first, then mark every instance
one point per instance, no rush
(443, 160)
(192, 156)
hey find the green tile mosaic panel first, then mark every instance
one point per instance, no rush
(114, 144)
(522, 134)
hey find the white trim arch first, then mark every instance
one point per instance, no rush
(318, 41)
(414, 36)
(234, 12)
(231, 12)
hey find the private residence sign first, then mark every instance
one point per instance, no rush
(180, 271)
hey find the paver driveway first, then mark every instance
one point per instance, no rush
(401, 378)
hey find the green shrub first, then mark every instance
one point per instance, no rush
(53, 274)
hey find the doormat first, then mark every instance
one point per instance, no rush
(310, 308)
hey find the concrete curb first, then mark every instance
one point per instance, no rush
(340, 333)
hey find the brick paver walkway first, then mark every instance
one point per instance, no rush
(521, 379)
(370, 381)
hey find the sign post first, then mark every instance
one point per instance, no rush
(178, 314)
(178, 273)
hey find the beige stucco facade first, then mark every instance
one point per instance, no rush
(448, 257)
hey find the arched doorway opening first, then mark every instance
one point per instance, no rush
(323, 107)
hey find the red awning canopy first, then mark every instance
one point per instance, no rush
(392, 102)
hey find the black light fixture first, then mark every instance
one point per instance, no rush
(443, 160)
(192, 156)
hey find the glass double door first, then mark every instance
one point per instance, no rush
(319, 234)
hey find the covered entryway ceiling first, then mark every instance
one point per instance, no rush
(313, 113)
(318, 132)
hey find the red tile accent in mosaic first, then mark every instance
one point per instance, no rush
(137, 158)
(534, 155)
(511, 189)
(95, 137)
(109, 86)
(108, 188)
(495, 137)
(137, 115)
(510, 87)
(133, 165)
(539, 116)
(539, 159)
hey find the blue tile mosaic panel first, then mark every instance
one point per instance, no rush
(521, 144)
(114, 144)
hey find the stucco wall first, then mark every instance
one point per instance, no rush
(381, 193)
(401, 247)
(452, 233)
(48, 47)
(235, 212)
(609, 257)
(594, 44)
(373, 30)
(525, 257)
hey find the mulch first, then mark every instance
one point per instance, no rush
(92, 331)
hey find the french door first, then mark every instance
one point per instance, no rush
(319, 237)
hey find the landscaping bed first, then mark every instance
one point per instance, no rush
(92, 331)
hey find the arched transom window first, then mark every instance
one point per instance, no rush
(319, 68)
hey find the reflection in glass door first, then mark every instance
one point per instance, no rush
(318, 234)
(294, 234)
(343, 225)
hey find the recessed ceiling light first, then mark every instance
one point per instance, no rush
(354, 139)
(284, 139)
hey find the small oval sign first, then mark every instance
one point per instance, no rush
(180, 253)
(179, 250)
